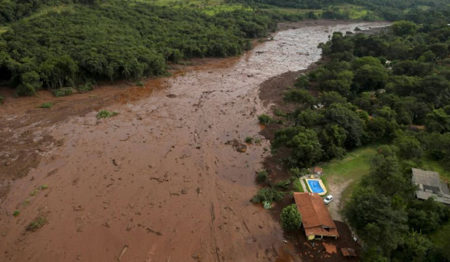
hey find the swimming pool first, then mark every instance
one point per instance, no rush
(316, 186)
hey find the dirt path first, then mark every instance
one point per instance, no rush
(336, 190)
(158, 182)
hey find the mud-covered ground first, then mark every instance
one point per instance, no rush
(161, 181)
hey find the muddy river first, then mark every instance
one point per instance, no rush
(158, 182)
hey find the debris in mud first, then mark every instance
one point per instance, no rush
(196, 257)
(124, 137)
(78, 208)
(52, 172)
(124, 250)
(160, 179)
(149, 230)
(171, 95)
(114, 162)
(238, 146)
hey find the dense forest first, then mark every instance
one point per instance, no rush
(117, 40)
(73, 43)
(416, 10)
(389, 90)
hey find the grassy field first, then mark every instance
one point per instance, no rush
(353, 166)
(353, 12)
(441, 239)
(356, 164)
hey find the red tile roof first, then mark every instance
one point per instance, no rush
(317, 170)
(315, 216)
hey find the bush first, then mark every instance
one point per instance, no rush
(106, 114)
(2, 99)
(279, 112)
(66, 91)
(46, 105)
(283, 184)
(30, 83)
(299, 96)
(261, 176)
(290, 218)
(85, 87)
(267, 194)
(297, 172)
(249, 140)
(264, 119)
(37, 223)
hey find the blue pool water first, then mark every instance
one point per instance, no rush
(315, 186)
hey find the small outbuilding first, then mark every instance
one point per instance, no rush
(430, 185)
(317, 170)
(316, 219)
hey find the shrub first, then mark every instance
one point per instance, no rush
(249, 140)
(261, 176)
(85, 87)
(297, 172)
(2, 99)
(290, 218)
(264, 119)
(46, 105)
(16, 213)
(283, 184)
(30, 83)
(106, 114)
(37, 223)
(267, 194)
(65, 91)
(279, 112)
(299, 96)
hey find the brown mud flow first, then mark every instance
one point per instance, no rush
(161, 181)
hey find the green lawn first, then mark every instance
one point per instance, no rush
(353, 166)
(441, 239)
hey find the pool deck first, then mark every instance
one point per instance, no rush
(307, 187)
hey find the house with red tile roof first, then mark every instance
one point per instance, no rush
(316, 219)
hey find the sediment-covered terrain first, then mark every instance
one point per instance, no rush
(167, 179)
